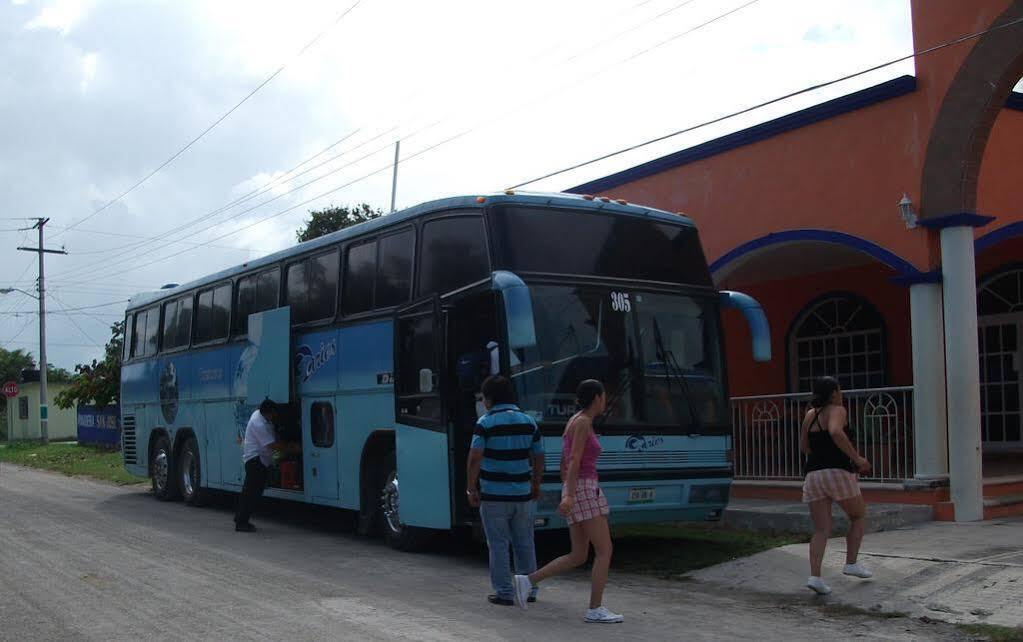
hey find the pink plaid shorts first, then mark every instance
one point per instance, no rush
(830, 483)
(590, 501)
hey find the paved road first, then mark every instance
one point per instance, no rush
(85, 560)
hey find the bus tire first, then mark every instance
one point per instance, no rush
(190, 473)
(161, 466)
(399, 536)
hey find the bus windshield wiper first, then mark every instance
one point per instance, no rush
(674, 371)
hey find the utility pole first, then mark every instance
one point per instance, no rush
(394, 178)
(43, 411)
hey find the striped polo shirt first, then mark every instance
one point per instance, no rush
(508, 437)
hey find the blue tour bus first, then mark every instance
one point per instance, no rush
(376, 338)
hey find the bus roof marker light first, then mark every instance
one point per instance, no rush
(621, 201)
(509, 192)
(605, 199)
(481, 199)
(587, 197)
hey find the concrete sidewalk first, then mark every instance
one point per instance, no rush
(768, 515)
(954, 572)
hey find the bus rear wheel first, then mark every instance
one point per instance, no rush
(397, 534)
(165, 484)
(190, 473)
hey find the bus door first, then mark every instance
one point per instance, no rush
(421, 433)
(320, 450)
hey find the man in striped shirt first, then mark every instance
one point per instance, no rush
(504, 471)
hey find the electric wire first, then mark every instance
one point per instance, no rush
(219, 120)
(746, 110)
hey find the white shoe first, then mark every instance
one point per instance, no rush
(857, 570)
(522, 587)
(817, 585)
(601, 615)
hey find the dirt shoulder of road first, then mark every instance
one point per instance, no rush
(70, 459)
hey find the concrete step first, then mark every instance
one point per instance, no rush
(1003, 506)
(788, 517)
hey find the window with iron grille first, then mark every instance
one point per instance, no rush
(841, 336)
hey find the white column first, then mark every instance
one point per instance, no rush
(930, 428)
(962, 370)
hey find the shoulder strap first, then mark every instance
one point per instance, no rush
(817, 419)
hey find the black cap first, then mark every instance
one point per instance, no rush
(268, 406)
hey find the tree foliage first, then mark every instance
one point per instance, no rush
(335, 218)
(100, 381)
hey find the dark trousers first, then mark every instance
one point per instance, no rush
(252, 490)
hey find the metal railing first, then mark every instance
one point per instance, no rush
(765, 432)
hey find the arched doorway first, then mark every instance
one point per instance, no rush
(1000, 333)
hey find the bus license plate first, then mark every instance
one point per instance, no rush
(641, 495)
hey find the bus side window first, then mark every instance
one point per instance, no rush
(394, 269)
(152, 331)
(138, 337)
(126, 338)
(360, 273)
(453, 254)
(322, 429)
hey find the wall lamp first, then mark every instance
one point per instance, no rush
(907, 212)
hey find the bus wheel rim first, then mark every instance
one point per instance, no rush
(187, 473)
(389, 504)
(160, 469)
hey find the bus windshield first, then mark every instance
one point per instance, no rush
(658, 353)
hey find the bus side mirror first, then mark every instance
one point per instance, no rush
(518, 309)
(756, 319)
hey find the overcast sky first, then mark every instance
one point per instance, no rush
(96, 94)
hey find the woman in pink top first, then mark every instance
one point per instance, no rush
(583, 505)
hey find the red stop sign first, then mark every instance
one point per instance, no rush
(11, 389)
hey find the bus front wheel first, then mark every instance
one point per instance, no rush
(165, 486)
(190, 473)
(398, 535)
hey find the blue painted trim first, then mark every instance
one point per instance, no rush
(959, 219)
(843, 105)
(887, 257)
(997, 236)
(1015, 101)
(934, 276)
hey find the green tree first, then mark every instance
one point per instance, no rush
(100, 381)
(335, 218)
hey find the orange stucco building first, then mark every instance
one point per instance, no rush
(917, 309)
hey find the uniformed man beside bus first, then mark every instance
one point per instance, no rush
(257, 452)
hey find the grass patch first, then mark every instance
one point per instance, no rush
(993, 632)
(70, 459)
(669, 550)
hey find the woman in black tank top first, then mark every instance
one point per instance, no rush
(832, 464)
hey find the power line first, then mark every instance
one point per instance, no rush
(315, 198)
(20, 331)
(71, 318)
(223, 117)
(772, 101)
(63, 345)
(375, 172)
(131, 247)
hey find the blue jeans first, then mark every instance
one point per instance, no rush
(509, 524)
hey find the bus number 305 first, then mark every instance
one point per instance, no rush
(620, 302)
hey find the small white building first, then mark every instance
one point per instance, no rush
(23, 414)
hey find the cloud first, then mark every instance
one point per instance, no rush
(88, 69)
(60, 16)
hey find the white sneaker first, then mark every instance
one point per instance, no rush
(522, 587)
(817, 584)
(857, 570)
(601, 615)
